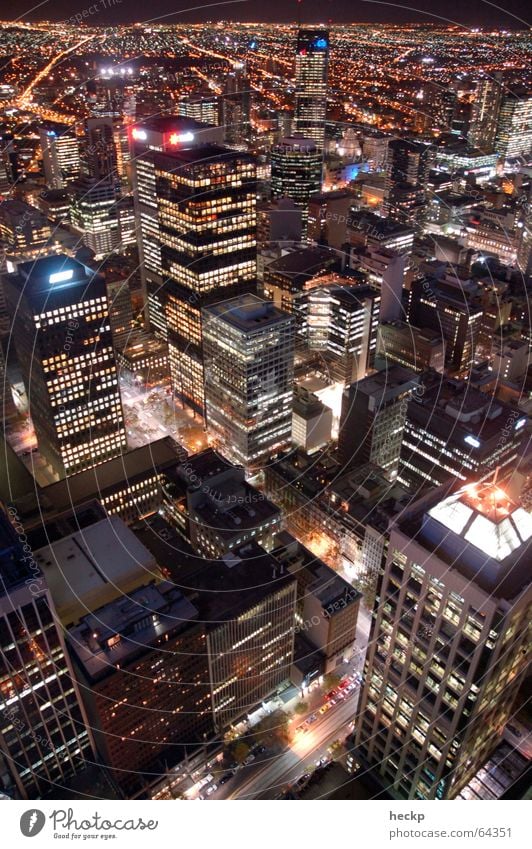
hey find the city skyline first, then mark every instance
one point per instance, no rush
(266, 387)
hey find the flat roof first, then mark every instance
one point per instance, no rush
(102, 557)
(121, 630)
(248, 313)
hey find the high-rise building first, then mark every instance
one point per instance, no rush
(62, 334)
(202, 108)
(120, 312)
(44, 732)
(342, 324)
(93, 214)
(514, 127)
(143, 665)
(236, 105)
(373, 419)
(407, 170)
(99, 157)
(196, 207)
(60, 153)
(24, 231)
(485, 113)
(453, 430)
(312, 61)
(296, 173)
(447, 650)
(385, 272)
(249, 369)
(451, 307)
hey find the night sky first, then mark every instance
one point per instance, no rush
(507, 13)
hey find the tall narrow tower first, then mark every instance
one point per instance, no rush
(312, 61)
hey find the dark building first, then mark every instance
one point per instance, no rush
(44, 734)
(407, 169)
(373, 419)
(63, 340)
(453, 430)
(215, 508)
(143, 667)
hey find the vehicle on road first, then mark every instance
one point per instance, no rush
(225, 778)
(250, 758)
(514, 730)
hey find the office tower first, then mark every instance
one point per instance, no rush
(311, 421)
(385, 272)
(453, 430)
(485, 113)
(447, 650)
(215, 509)
(236, 105)
(342, 324)
(202, 108)
(312, 60)
(143, 666)
(451, 307)
(514, 127)
(43, 729)
(296, 173)
(60, 154)
(63, 340)
(5, 185)
(248, 601)
(98, 157)
(373, 419)
(327, 218)
(198, 244)
(249, 369)
(366, 229)
(120, 312)
(412, 347)
(407, 170)
(287, 279)
(24, 231)
(93, 214)
(524, 245)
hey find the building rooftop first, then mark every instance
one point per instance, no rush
(96, 562)
(480, 532)
(248, 313)
(386, 383)
(48, 281)
(115, 634)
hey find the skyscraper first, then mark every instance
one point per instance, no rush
(485, 113)
(373, 419)
(296, 173)
(197, 212)
(93, 213)
(312, 61)
(249, 367)
(63, 340)
(343, 323)
(407, 169)
(44, 735)
(514, 127)
(236, 105)
(60, 153)
(447, 650)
